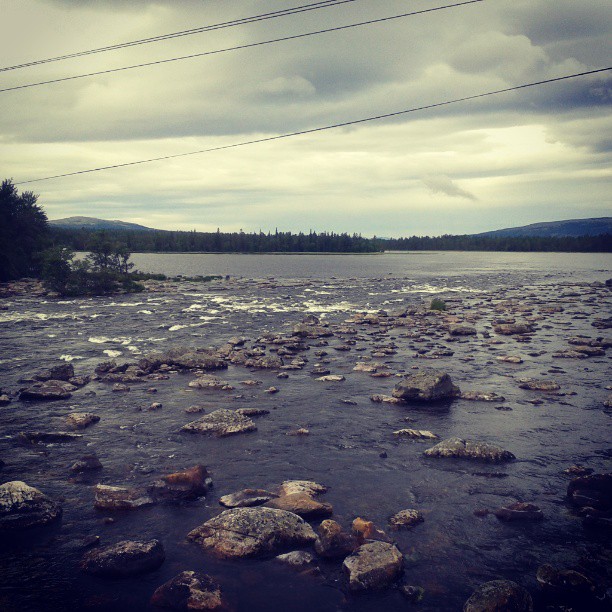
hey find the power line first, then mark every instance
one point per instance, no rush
(246, 46)
(322, 128)
(168, 36)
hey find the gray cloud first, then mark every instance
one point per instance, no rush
(441, 183)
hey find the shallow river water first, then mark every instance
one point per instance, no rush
(351, 447)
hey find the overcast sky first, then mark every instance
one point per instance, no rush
(539, 154)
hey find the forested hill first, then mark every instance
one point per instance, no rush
(557, 229)
(323, 242)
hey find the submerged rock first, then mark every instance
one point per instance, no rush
(48, 391)
(188, 484)
(247, 532)
(221, 422)
(594, 491)
(374, 565)
(519, 511)
(23, 507)
(80, 420)
(126, 558)
(564, 582)
(120, 498)
(406, 518)
(189, 591)
(86, 463)
(425, 386)
(467, 449)
(499, 596)
(246, 498)
(49, 436)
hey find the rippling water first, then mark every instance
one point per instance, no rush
(449, 554)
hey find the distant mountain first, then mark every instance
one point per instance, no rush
(556, 229)
(91, 223)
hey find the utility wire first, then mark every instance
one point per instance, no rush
(246, 46)
(215, 26)
(321, 129)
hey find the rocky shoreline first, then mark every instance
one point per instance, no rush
(471, 378)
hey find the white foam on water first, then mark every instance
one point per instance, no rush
(111, 353)
(99, 339)
(147, 312)
(177, 327)
(70, 357)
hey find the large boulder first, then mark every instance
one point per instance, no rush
(189, 591)
(187, 484)
(426, 385)
(247, 532)
(499, 596)
(48, 390)
(22, 507)
(126, 558)
(221, 423)
(374, 565)
(468, 449)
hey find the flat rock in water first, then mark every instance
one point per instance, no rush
(416, 434)
(461, 329)
(374, 565)
(498, 596)
(481, 396)
(536, 384)
(48, 390)
(49, 436)
(385, 399)
(221, 422)
(519, 511)
(331, 378)
(80, 420)
(511, 329)
(23, 507)
(189, 591)
(467, 449)
(120, 498)
(301, 504)
(301, 486)
(246, 498)
(126, 558)
(426, 385)
(406, 518)
(209, 382)
(247, 532)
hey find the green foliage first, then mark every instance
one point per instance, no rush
(23, 232)
(437, 304)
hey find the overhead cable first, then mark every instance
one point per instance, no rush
(245, 46)
(208, 28)
(322, 128)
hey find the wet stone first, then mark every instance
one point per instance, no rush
(63, 371)
(185, 485)
(406, 519)
(299, 561)
(221, 423)
(246, 498)
(80, 420)
(24, 507)
(86, 463)
(498, 596)
(519, 511)
(120, 498)
(49, 436)
(467, 449)
(248, 532)
(289, 487)
(416, 434)
(127, 558)
(373, 566)
(332, 542)
(425, 386)
(48, 391)
(301, 504)
(481, 396)
(535, 384)
(189, 590)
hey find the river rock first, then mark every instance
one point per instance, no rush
(467, 449)
(247, 532)
(519, 511)
(126, 558)
(289, 487)
(4, 399)
(49, 436)
(210, 382)
(80, 420)
(188, 484)
(86, 463)
(62, 371)
(23, 507)
(481, 396)
(48, 390)
(189, 591)
(461, 329)
(511, 329)
(301, 504)
(246, 498)
(193, 359)
(374, 565)
(406, 518)
(537, 384)
(499, 596)
(367, 530)
(332, 542)
(416, 434)
(300, 561)
(221, 423)
(425, 386)
(564, 582)
(594, 491)
(331, 378)
(305, 330)
(510, 359)
(120, 498)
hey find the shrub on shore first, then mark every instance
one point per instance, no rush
(437, 304)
